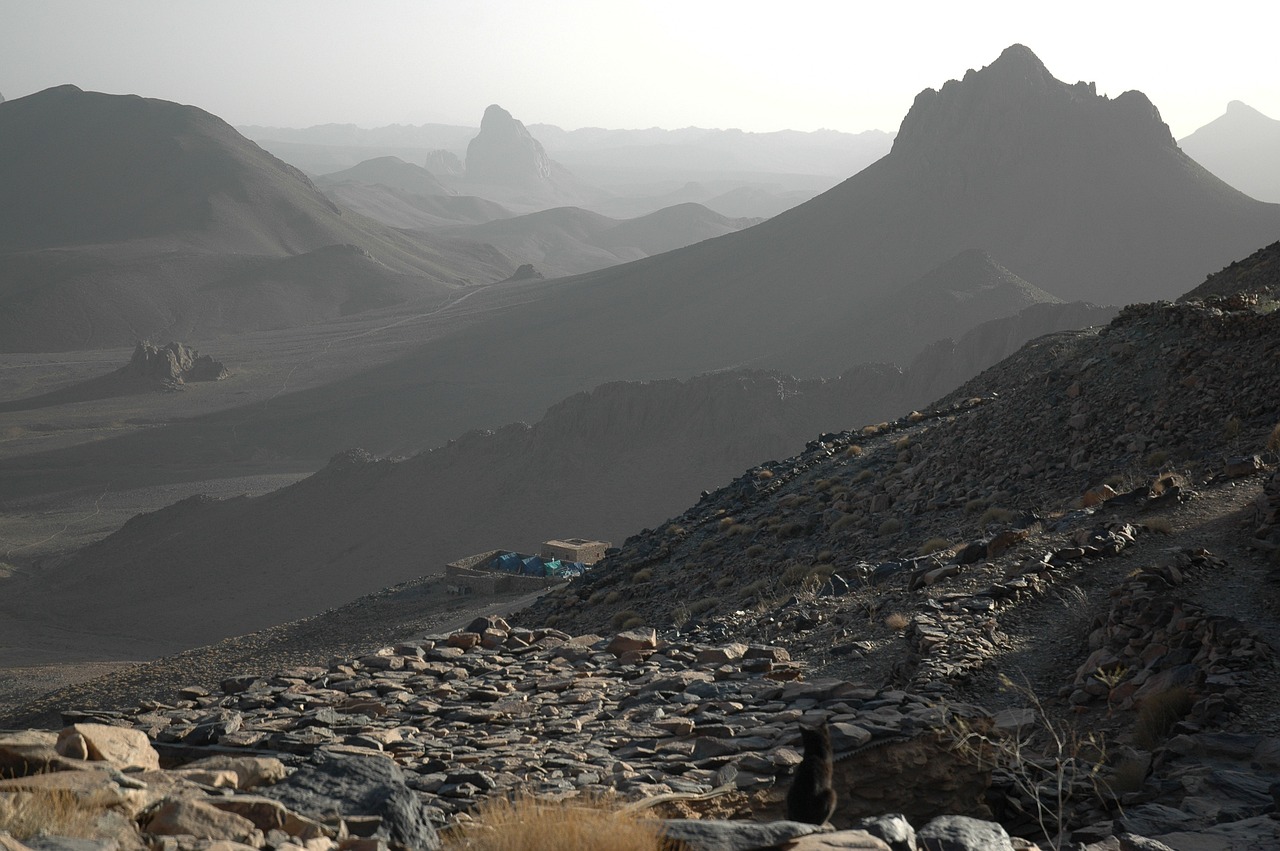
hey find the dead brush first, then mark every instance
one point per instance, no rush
(525, 823)
(1047, 762)
(51, 811)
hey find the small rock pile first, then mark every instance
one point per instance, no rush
(1152, 642)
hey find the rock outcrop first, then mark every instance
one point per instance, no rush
(172, 365)
(505, 153)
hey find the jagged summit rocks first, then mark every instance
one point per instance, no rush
(506, 153)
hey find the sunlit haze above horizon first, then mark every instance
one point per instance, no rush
(755, 66)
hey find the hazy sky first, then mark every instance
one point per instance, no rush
(626, 63)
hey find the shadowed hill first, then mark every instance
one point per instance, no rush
(603, 463)
(570, 240)
(388, 171)
(118, 211)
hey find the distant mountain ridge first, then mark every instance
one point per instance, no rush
(133, 213)
(1242, 146)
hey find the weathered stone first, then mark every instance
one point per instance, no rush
(251, 771)
(178, 816)
(842, 840)
(122, 747)
(892, 828)
(962, 833)
(364, 786)
(642, 638)
(714, 835)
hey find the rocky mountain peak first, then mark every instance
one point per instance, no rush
(1015, 104)
(505, 152)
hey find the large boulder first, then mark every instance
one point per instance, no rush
(359, 786)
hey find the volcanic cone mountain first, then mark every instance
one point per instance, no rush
(143, 218)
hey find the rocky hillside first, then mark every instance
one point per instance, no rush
(1046, 604)
(602, 464)
(1257, 278)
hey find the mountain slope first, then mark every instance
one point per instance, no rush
(121, 210)
(1242, 146)
(570, 240)
(603, 463)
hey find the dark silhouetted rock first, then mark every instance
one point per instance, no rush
(359, 786)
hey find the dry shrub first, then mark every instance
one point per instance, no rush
(933, 545)
(1157, 458)
(853, 451)
(1160, 525)
(724, 581)
(756, 550)
(757, 587)
(996, 515)
(764, 474)
(739, 529)
(795, 574)
(791, 530)
(897, 621)
(612, 597)
(1273, 441)
(706, 546)
(846, 522)
(622, 617)
(702, 606)
(632, 623)
(51, 811)
(824, 485)
(973, 506)
(1231, 428)
(596, 598)
(825, 556)
(1158, 714)
(892, 526)
(644, 574)
(863, 475)
(528, 824)
(726, 523)
(902, 443)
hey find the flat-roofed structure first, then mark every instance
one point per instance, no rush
(575, 549)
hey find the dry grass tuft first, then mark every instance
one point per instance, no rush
(996, 515)
(897, 621)
(1157, 458)
(1160, 525)
(612, 597)
(528, 824)
(619, 619)
(853, 451)
(644, 574)
(57, 812)
(933, 545)
(892, 526)
(1273, 441)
